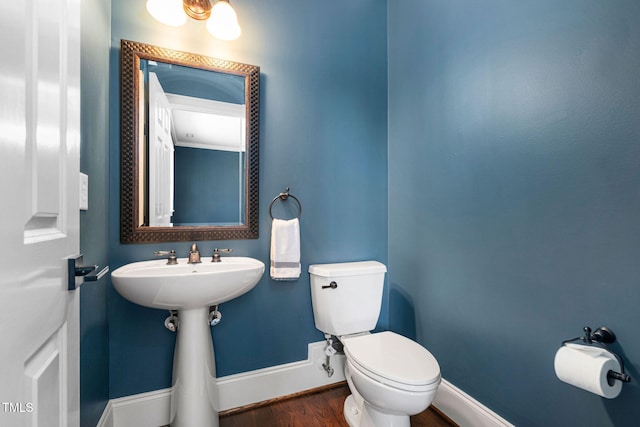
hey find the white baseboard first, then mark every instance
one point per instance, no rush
(106, 420)
(145, 410)
(243, 389)
(152, 409)
(465, 410)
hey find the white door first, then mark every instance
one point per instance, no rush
(161, 156)
(39, 215)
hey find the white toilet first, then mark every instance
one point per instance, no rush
(390, 377)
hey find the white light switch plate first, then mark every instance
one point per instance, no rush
(84, 192)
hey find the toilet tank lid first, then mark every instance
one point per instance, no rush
(347, 268)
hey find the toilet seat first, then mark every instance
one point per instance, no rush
(393, 360)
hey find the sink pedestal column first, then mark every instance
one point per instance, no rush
(194, 394)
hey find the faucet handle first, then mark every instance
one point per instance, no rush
(216, 254)
(172, 259)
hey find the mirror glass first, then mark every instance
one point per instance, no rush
(190, 125)
(195, 134)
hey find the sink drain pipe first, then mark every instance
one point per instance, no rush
(171, 322)
(214, 315)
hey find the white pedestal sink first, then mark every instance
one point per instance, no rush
(191, 289)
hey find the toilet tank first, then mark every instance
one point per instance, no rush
(353, 304)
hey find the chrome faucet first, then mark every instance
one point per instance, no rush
(194, 255)
(216, 254)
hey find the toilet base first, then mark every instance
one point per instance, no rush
(369, 416)
(351, 411)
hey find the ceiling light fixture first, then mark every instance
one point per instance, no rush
(222, 21)
(169, 12)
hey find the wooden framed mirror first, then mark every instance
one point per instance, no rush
(189, 146)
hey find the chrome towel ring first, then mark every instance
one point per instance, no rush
(283, 197)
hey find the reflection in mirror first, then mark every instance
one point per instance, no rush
(196, 134)
(194, 141)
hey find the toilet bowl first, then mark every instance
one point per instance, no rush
(393, 376)
(390, 376)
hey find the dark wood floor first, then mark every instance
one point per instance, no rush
(318, 409)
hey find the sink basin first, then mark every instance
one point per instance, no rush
(156, 284)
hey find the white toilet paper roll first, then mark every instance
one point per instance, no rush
(587, 368)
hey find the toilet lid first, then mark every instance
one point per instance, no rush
(394, 357)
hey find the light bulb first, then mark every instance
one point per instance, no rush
(169, 12)
(223, 23)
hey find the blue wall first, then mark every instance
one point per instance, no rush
(323, 132)
(514, 209)
(218, 171)
(94, 223)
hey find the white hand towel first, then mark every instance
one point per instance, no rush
(285, 249)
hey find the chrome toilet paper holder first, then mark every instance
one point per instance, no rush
(601, 337)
